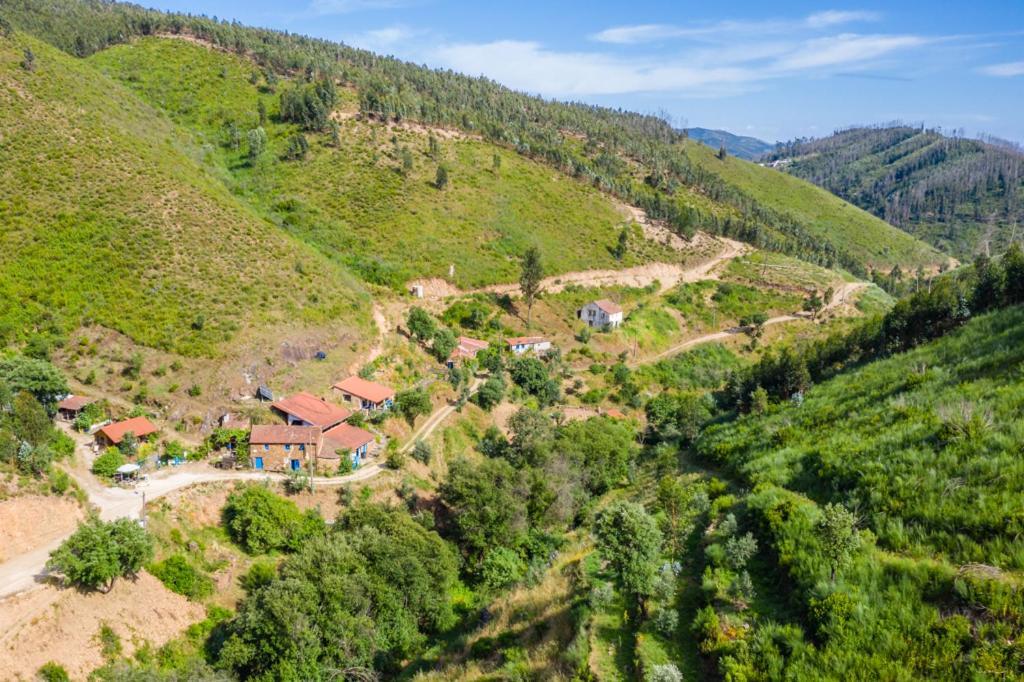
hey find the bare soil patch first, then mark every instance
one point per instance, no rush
(33, 521)
(65, 630)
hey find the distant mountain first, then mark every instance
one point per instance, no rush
(961, 195)
(738, 145)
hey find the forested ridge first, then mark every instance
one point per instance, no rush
(639, 158)
(962, 195)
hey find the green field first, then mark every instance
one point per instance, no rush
(108, 219)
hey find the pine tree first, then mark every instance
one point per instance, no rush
(29, 61)
(530, 279)
(441, 179)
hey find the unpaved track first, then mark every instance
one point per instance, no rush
(668, 275)
(842, 293)
(435, 420)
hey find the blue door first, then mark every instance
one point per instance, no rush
(296, 464)
(258, 463)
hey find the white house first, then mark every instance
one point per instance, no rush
(523, 344)
(602, 314)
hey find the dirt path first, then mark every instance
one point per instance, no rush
(668, 275)
(378, 344)
(842, 293)
(436, 419)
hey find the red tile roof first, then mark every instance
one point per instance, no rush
(610, 307)
(345, 437)
(75, 402)
(279, 434)
(309, 408)
(140, 426)
(467, 348)
(614, 413)
(367, 390)
(525, 340)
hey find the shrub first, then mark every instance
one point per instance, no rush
(260, 521)
(53, 672)
(421, 452)
(666, 621)
(106, 464)
(501, 568)
(182, 577)
(664, 672)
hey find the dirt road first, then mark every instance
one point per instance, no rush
(842, 293)
(668, 275)
(435, 419)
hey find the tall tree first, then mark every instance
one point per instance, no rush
(629, 540)
(530, 278)
(100, 552)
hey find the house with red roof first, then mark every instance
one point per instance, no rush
(113, 434)
(277, 447)
(365, 395)
(525, 344)
(466, 350)
(69, 408)
(342, 440)
(602, 313)
(305, 409)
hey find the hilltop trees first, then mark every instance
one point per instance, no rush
(309, 105)
(530, 278)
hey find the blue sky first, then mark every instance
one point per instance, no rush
(775, 70)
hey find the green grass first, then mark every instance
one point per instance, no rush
(356, 204)
(716, 305)
(108, 219)
(823, 215)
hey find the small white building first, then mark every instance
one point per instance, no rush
(603, 314)
(524, 344)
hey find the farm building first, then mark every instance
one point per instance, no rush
(466, 350)
(365, 395)
(524, 344)
(603, 314)
(113, 434)
(345, 438)
(69, 408)
(305, 409)
(275, 447)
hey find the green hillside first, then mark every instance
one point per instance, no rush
(824, 216)
(956, 193)
(924, 448)
(108, 219)
(635, 157)
(358, 200)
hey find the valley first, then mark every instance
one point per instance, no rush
(318, 364)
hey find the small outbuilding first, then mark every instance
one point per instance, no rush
(345, 438)
(602, 313)
(466, 350)
(72, 406)
(526, 344)
(113, 434)
(364, 395)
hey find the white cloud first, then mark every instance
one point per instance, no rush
(325, 7)
(836, 17)
(383, 39)
(530, 67)
(1005, 70)
(642, 33)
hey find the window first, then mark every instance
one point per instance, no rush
(287, 447)
(266, 446)
(302, 448)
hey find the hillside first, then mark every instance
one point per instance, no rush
(922, 446)
(743, 146)
(108, 220)
(961, 195)
(636, 158)
(370, 197)
(823, 217)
